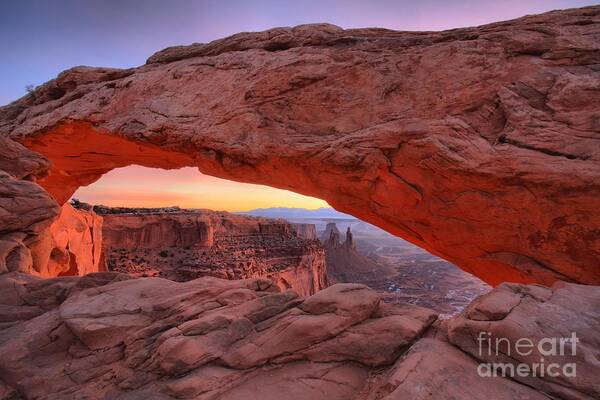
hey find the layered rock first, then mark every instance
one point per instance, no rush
(108, 335)
(72, 245)
(434, 369)
(157, 231)
(26, 210)
(186, 244)
(562, 323)
(202, 339)
(331, 234)
(305, 231)
(479, 144)
(529, 328)
(345, 263)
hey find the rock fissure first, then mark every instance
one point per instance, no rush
(516, 143)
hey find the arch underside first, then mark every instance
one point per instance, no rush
(469, 147)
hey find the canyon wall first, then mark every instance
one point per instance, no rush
(305, 231)
(75, 240)
(480, 145)
(186, 244)
(152, 231)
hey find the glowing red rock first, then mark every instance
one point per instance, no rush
(480, 145)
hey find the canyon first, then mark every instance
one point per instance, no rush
(185, 244)
(398, 271)
(480, 145)
(182, 245)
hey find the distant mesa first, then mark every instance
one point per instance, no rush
(296, 213)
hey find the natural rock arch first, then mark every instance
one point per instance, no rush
(469, 142)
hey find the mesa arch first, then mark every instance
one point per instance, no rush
(481, 145)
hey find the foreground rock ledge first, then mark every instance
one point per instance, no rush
(108, 336)
(481, 145)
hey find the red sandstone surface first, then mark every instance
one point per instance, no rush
(76, 243)
(108, 336)
(479, 144)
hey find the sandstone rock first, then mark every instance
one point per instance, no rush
(26, 209)
(344, 262)
(350, 299)
(305, 231)
(205, 379)
(320, 317)
(108, 336)
(469, 143)
(76, 238)
(433, 369)
(14, 254)
(331, 233)
(202, 340)
(496, 322)
(157, 230)
(18, 161)
(387, 337)
(24, 296)
(299, 381)
(186, 244)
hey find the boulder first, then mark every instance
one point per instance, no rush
(434, 369)
(554, 330)
(107, 335)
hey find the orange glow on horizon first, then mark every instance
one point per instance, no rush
(136, 186)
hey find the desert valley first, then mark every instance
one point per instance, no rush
(465, 168)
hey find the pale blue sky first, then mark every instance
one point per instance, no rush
(40, 38)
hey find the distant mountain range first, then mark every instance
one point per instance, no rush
(297, 213)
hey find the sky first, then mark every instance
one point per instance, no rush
(137, 186)
(40, 38)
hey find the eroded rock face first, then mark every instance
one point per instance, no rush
(539, 314)
(434, 369)
(26, 210)
(108, 335)
(345, 263)
(157, 231)
(75, 240)
(480, 144)
(187, 244)
(305, 231)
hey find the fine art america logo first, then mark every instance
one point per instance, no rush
(543, 356)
